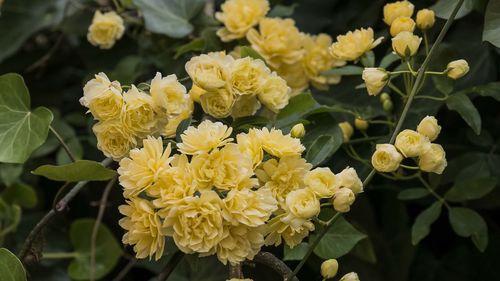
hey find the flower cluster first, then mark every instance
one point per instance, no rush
(105, 29)
(225, 196)
(410, 143)
(225, 86)
(125, 118)
(297, 57)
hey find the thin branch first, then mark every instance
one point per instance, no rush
(125, 270)
(63, 143)
(235, 271)
(171, 265)
(269, 260)
(95, 230)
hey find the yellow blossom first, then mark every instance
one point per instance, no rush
(433, 160)
(139, 114)
(425, 19)
(348, 178)
(173, 121)
(196, 92)
(207, 136)
(239, 243)
(219, 103)
(292, 231)
(411, 143)
(274, 93)
(245, 106)
(429, 127)
(401, 24)
(210, 71)
(322, 181)
(233, 169)
(405, 44)
(457, 68)
(302, 203)
(351, 276)
(113, 139)
(343, 199)
(248, 207)
(375, 79)
(397, 9)
(102, 97)
(105, 29)
(251, 145)
(354, 44)
(386, 158)
(239, 16)
(168, 94)
(247, 74)
(347, 130)
(279, 145)
(295, 77)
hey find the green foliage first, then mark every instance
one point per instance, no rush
(468, 223)
(471, 189)
(11, 269)
(443, 8)
(462, 104)
(80, 170)
(413, 193)
(423, 222)
(21, 194)
(491, 31)
(246, 51)
(296, 253)
(345, 70)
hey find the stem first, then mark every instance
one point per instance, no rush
(413, 72)
(409, 167)
(399, 72)
(431, 191)
(60, 255)
(426, 42)
(366, 139)
(435, 72)
(396, 89)
(235, 271)
(171, 265)
(125, 270)
(432, 98)
(268, 259)
(63, 143)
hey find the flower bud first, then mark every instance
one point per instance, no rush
(387, 105)
(397, 9)
(386, 158)
(298, 130)
(405, 44)
(425, 19)
(429, 127)
(347, 130)
(402, 24)
(433, 160)
(352, 276)
(411, 143)
(360, 124)
(457, 69)
(384, 97)
(343, 199)
(329, 268)
(375, 79)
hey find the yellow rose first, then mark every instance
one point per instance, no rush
(102, 97)
(210, 71)
(298, 131)
(248, 207)
(352, 276)
(279, 145)
(281, 227)
(207, 136)
(278, 41)
(405, 44)
(347, 130)
(251, 145)
(113, 139)
(105, 29)
(375, 80)
(401, 24)
(203, 169)
(425, 19)
(196, 92)
(343, 199)
(173, 121)
(295, 77)
(239, 16)
(245, 106)
(354, 44)
(218, 104)
(139, 113)
(397, 9)
(302, 203)
(322, 181)
(348, 178)
(239, 243)
(361, 124)
(411, 143)
(329, 268)
(247, 74)
(433, 160)
(457, 68)
(168, 94)
(274, 93)
(386, 158)
(233, 169)
(429, 127)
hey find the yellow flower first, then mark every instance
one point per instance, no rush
(239, 243)
(457, 68)
(143, 167)
(143, 227)
(279, 145)
(347, 130)
(113, 139)
(375, 79)
(248, 207)
(139, 114)
(433, 160)
(361, 124)
(352, 276)
(318, 59)
(348, 178)
(173, 121)
(247, 74)
(196, 92)
(343, 199)
(102, 97)
(397, 9)
(298, 131)
(218, 104)
(204, 169)
(233, 169)
(329, 268)
(295, 77)
(401, 24)
(425, 19)
(105, 29)
(386, 158)
(405, 44)
(292, 231)
(411, 143)
(322, 181)
(429, 127)
(274, 93)
(251, 145)
(239, 16)
(245, 106)
(354, 44)
(196, 223)
(210, 71)
(284, 176)
(168, 94)
(278, 41)
(302, 203)
(207, 136)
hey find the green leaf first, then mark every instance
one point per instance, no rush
(413, 193)
(80, 170)
(470, 189)
(11, 268)
(249, 122)
(297, 108)
(107, 250)
(247, 51)
(491, 30)
(127, 70)
(462, 104)
(170, 17)
(9, 173)
(480, 238)
(296, 253)
(443, 8)
(365, 251)
(10, 216)
(368, 59)
(182, 127)
(282, 11)
(21, 130)
(465, 222)
(488, 90)
(21, 194)
(389, 59)
(339, 240)
(423, 222)
(345, 70)
(444, 84)
(322, 148)
(197, 44)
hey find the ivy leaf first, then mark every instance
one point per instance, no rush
(413, 193)
(462, 104)
(11, 268)
(470, 189)
(21, 130)
(491, 30)
(21, 194)
(443, 8)
(296, 253)
(423, 222)
(298, 107)
(80, 170)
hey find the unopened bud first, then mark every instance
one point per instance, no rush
(298, 130)
(360, 124)
(387, 105)
(329, 268)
